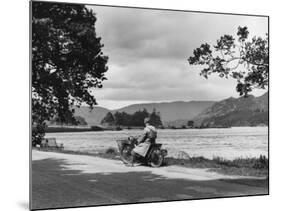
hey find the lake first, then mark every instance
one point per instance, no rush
(229, 143)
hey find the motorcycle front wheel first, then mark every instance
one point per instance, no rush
(126, 154)
(156, 158)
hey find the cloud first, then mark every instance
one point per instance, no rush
(148, 51)
(158, 80)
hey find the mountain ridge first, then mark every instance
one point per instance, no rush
(242, 111)
(170, 111)
(228, 112)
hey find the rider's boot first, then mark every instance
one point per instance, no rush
(134, 158)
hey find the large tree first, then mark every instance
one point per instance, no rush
(155, 118)
(108, 119)
(67, 62)
(244, 59)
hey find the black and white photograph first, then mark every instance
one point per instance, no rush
(137, 105)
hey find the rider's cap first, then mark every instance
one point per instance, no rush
(146, 120)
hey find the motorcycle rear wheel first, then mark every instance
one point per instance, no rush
(126, 155)
(156, 158)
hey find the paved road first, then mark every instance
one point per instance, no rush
(63, 180)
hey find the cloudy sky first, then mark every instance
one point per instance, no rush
(148, 52)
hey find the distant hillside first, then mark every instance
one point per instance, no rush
(249, 111)
(171, 111)
(229, 112)
(93, 117)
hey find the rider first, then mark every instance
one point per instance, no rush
(149, 136)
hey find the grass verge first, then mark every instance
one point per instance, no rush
(240, 166)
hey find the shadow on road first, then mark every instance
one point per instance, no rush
(54, 186)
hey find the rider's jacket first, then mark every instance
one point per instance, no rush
(150, 134)
(144, 142)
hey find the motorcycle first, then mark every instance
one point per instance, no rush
(154, 157)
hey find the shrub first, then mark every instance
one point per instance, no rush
(118, 128)
(111, 151)
(96, 128)
(261, 163)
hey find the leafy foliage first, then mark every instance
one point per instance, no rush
(67, 61)
(190, 123)
(135, 119)
(108, 119)
(243, 59)
(155, 118)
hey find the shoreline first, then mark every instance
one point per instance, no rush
(70, 129)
